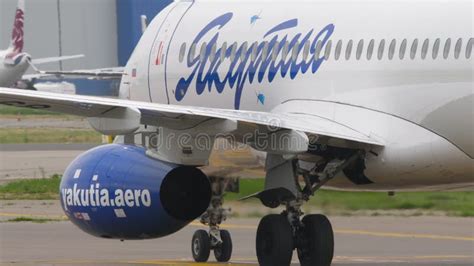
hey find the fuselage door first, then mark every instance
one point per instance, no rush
(159, 52)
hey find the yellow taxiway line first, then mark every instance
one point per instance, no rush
(177, 262)
(253, 227)
(403, 235)
(363, 232)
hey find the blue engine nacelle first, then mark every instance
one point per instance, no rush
(116, 191)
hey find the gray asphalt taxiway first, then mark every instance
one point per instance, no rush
(359, 241)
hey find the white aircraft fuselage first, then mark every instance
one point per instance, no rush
(400, 72)
(12, 72)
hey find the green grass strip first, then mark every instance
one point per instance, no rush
(10, 110)
(451, 203)
(46, 135)
(31, 189)
(32, 220)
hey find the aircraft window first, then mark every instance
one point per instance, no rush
(203, 52)
(306, 48)
(470, 44)
(457, 50)
(381, 49)
(327, 53)
(424, 49)
(338, 50)
(212, 56)
(286, 51)
(403, 49)
(265, 50)
(192, 52)
(370, 49)
(414, 49)
(436, 48)
(233, 52)
(360, 48)
(349, 50)
(182, 52)
(254, 51)
(319, 48)
(296, 51)
(243, 51)
(223, 51)
(391, 49)
(447, 48)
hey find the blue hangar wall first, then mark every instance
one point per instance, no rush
(129, 31)
(129, 14)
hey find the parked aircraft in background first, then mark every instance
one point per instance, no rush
(14, 62)
(360, 95)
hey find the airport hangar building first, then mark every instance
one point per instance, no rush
(105, 31)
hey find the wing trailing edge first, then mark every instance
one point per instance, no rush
(164, 115)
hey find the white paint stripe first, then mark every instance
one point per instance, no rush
(120, 213)
(77, 174)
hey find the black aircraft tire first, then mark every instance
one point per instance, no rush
(274, 241)
(201, 246)
(223, 252)
(319, 236)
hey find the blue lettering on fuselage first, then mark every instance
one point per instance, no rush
(242, 69)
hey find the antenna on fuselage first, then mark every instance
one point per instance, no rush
(144, 23)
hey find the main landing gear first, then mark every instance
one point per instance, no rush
(279, 234)
(216, 239)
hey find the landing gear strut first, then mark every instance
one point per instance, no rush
(216, 239)
(312, 235)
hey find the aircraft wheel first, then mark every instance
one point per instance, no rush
(223, 251)
(201, 246)
(274, 241)
(318, 249)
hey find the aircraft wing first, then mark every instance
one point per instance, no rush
(160, 114)
(55, 59)
(30, 77)
(103, 73)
